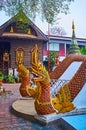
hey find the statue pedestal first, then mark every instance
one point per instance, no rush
(53, 117)
(24, 107)
(48, 118)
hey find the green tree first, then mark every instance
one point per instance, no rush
(48, 9)
(51, 60)
(83, 50)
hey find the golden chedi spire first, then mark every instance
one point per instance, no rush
(73, 30)
(73, 26)
(74, 48)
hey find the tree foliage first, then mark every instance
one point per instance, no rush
(58, 31)
(83, 50)
(48, 9)
(50, 59)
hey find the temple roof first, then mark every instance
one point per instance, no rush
(16, 28)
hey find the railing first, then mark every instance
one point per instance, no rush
(56, 85)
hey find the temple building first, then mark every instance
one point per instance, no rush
(16, 41)
(64, 45)
(18, 37)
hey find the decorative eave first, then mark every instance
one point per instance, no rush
(39, 34)
(20, 36)
(66, 38)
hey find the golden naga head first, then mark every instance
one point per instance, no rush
(37, 68)
(23, 71)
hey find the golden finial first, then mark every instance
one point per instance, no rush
(73, 30)
(29, 31)
(11, 29)
(20, 19)
(73, 26)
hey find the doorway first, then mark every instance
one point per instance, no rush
(4, 49)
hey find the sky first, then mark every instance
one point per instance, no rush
(77, 14)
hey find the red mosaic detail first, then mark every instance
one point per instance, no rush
(79, 79)
(43, 110)
(25, 82)
(45, 92)
(77, 82)
(60, 69)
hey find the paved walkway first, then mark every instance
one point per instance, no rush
(9, 121)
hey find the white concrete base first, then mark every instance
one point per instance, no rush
(25, 106)
(53, 117)
(48, 118)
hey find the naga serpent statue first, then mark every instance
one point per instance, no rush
(23, 73)
(44, 103)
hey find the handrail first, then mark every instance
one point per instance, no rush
(56, 85)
